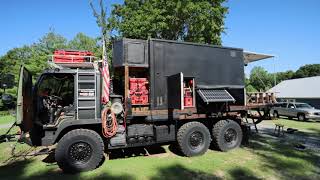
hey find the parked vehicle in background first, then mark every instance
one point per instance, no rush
(8, 101)
(302, 111)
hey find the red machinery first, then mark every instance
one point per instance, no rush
(188, 95)
(139, 91)
(71, 56)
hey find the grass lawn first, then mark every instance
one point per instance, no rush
(7, 119)
(262, 158)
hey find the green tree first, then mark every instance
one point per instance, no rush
(281, 76)
(84, 42)
(50, 42)
(308, 70)
(102, 22)
(186, 20)
(248, 85)
(260, 79)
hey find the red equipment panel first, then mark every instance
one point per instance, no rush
(188, 95)
(139, 91)
(70, 56)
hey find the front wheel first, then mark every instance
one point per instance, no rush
(227, 135)
(79, 150)
(301, 117)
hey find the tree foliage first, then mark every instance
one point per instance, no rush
(261, 80)
(36, 55)
(308, 71)
(281, 76)
(186, 20)
(84, 42)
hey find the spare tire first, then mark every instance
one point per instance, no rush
(227, 135)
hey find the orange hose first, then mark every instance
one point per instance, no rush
(108, 131)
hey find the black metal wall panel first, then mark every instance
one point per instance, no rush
(131, 52)
(211, 66)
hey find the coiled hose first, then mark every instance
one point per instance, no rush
(109, 123)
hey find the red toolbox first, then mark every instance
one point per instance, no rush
(139, 91)
(71, 56)
(188, 102)
(188, 98)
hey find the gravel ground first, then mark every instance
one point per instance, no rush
(309, 141)
(3, 126)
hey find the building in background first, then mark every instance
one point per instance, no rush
(305, 90)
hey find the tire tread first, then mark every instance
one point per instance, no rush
(79, 132)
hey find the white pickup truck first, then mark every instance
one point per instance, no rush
(302, 111)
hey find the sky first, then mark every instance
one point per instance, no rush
(288, 29)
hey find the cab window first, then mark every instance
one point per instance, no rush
(290, 105)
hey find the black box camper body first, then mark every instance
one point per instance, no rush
(217, 73)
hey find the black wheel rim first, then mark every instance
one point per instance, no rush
(196, 139)
(230, 135)
(80, 152)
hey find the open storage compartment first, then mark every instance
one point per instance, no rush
(181, 91)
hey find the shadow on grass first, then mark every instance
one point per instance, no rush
(282, 157)
(179, 172)
(315, 131)
(137, 151)
(242, 173)
(18, 170)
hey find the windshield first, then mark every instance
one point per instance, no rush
(303, 106)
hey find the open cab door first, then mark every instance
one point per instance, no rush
(24, 101)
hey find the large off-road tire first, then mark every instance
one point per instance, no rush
(79, 150)
(227, 135)
(193, 139)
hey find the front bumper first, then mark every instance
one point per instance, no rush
(312, 116)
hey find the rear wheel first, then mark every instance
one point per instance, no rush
(79, 150)
(193, 139)
(227, 135)
(275, 114)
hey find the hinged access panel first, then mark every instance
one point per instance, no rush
(175, 91)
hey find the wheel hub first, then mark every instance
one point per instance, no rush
(80, 151)
(196, 139)
(230, 135)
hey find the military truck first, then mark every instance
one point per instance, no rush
(163, 92)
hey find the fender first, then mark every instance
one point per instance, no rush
(52, 135)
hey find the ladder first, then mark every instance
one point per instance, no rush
(86, 88)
